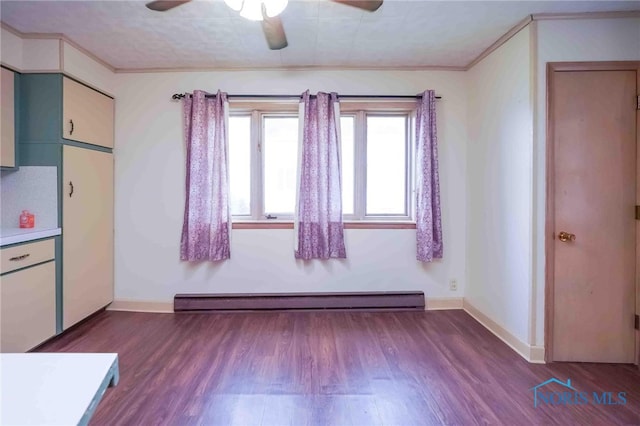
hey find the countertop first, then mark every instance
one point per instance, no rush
(54, 388)
(21, 235)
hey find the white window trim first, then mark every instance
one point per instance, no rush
(407, 215)
(258, 110)
(262, 213)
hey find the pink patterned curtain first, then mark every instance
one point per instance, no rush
(428, 217)
(319, 232)
(205, 230)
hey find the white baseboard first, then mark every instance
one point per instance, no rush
(443, 303)
(537, 355)
(533, 354)
(140, 306)
(432, 304)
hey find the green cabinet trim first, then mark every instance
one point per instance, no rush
(41, 108)
(58, 243)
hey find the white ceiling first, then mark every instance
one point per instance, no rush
(207, 34)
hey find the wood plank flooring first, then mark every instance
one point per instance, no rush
(323, 368)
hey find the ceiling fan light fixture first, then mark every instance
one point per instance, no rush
(252, 9)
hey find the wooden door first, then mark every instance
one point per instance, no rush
(593, 123)
(87, 114)
(7, 138)
(87, 232)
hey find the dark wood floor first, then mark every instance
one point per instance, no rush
(413, 368)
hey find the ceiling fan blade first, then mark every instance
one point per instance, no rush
(274, 33)
(164, 5)
(368, 5)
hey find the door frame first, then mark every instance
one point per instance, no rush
(553, 67)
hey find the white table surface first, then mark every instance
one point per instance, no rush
(53, 388)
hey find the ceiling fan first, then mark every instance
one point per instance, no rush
(266, 11)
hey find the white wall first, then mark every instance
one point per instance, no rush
(29, 54)
(500, 150)
(10, 49)
(53, 55)
(566, 41)
(41, 55)
(150, 195)
(86, 69)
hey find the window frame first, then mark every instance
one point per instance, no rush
(262, 213)
(252, 163)
(360, 110)
(407, 215)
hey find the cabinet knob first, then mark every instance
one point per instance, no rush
(71, 123)
(70, 189)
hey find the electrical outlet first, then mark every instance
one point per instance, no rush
(453, 285)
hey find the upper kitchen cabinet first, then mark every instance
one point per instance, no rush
(87, 114)
(55, 108)
(8, 138)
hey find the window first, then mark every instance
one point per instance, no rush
(386, 165)
(347, 136)
(280, 163)
(376, 165)
(240, 165)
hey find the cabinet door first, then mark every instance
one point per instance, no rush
(8, 137)
(28, 307)
(87, 114)
(87, 233)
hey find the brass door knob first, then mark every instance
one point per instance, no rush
(566, 236)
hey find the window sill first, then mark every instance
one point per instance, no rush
(347, 225)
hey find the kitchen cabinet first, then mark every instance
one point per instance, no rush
(87, 114)
(7, 106)
(49, 103)
(87, 238)
(27, 295)
(85, 186)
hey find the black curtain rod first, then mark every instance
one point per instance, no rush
(182, 95)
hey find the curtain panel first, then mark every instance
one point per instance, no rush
(428, 215)
(207, 221)
(318, 227)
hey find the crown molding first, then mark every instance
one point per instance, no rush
(291, 68)
(43, 36)
(548, 17)
(499, 42)
(586, 15)
(10, 29)
(57, 36)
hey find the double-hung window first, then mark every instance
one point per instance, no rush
(377, 167)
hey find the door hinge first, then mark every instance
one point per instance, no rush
(637, 322)
(637, 212)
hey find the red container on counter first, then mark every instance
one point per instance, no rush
(27, 220)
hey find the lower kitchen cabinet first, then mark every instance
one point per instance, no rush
(27, 296)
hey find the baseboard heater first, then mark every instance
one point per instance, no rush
(362, 301)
